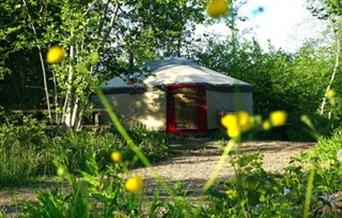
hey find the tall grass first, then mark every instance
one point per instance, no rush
(22, 152)
(28, 152)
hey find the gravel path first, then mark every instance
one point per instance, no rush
(191, 164)
(196, 160)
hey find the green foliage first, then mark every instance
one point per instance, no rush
(74, 148)
(257, 193)
(94, 196)
(109, 195)
(253, 192)
(121, 35)
(325, 9)
(153, 143)
(2, 214)
(293, 82)
(21, 152)
(28, 151)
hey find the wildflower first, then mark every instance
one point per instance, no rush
(217, 8)
(278, 118)
(266, 125)
(55, 55)
(61, 171)
(134, 184)
(244, 120)
(286, 191)
(116, 156)
(236, 123)
(330, 93)
(339, 155)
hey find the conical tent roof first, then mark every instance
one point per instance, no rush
(115, 82)
(179, 71)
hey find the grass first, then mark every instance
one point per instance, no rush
(255, 193)
(28, 153)
(100, 189)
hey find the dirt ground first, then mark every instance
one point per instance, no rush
(191, 164)
(196, 160)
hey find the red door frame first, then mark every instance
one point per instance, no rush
(202, 110)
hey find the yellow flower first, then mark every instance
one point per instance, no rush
(243, 120)
(233, 131)
(266, 125)
(55, 55)
(217, 8)
(61, 171)
(330, 93)
(278, 118)
(134, 184)
(116, 156)
(236, 123)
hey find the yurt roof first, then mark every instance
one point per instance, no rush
(172, 71)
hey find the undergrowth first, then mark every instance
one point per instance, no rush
(27, 152)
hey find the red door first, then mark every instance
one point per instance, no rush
(186, 109)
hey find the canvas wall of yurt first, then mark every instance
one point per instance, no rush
(178, 96)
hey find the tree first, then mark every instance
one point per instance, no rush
(101, 38)
(330, 10)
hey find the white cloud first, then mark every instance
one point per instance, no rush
(286, 23)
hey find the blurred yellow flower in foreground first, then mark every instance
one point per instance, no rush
(236, 123)
(330, 93)
(266, 125)
(217, 8)
(55, 55)
(61, 171)
(278, 118)
(134, 184)
(116, 156)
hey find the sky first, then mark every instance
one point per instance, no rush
(286, 23)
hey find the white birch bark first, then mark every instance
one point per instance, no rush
(67, 109)
(41, 60)
(333, 75)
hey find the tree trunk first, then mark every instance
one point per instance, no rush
(41, 64)
(67, 108)
(75, 112)
(73, 108)
(333, 75)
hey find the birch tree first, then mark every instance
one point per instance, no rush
(101, 38)
(331, 11)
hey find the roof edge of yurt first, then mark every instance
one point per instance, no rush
(141, 88)
(223, 84)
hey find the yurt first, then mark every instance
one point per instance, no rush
(178, 96)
